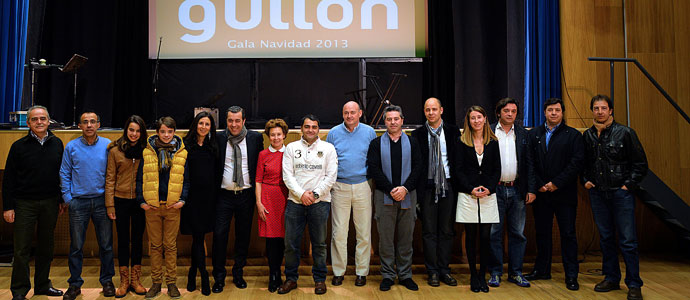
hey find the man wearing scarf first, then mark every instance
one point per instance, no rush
(436, 197)
(615, 163)
(394, 163)
(239, 152)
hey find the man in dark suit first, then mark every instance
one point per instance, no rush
(239, 152)
(511, 193)
(557, 153)
(436, 193)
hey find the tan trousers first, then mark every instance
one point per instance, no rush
(355, 198)
(162, 225)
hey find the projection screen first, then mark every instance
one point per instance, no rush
(287, 28)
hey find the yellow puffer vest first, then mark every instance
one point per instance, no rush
(150, 174)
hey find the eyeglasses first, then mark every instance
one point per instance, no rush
(87, 122)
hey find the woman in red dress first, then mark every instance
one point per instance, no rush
(271, 197)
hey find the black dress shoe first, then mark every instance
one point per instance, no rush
(571, 283)
(536, 275)
(52, 292)
(409, 284)
(634, 293)
(108, 289)
(433, 280)
(474, 284)
(449, 280)
(72, 292)
(605, 286)
(360, 280)
(19, 297)
(218, 287)
(239, 282)
(337, 280)
(386, 284)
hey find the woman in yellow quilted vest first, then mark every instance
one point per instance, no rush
(162, 187)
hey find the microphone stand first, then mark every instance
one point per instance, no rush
(155, 81)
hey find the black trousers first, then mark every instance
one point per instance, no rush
(544, 210)
(275, 250)
(438, 220)
(129, 216)
(241, 206)
(39, 216)
(198, 255)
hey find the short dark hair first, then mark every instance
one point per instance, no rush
(601, 97)
(552, 101)
(503, 102)
(235, 109)
(167, 121)
(393, 108)
(310, 117)
(90, 111)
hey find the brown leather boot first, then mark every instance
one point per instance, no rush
(135, 285)
(124, 283)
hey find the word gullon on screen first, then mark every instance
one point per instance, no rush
(208, 24)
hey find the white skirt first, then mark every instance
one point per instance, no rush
(471, 209)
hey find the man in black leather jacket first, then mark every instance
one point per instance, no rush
(615, 163)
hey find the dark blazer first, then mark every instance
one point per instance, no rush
(421, 134)
(468, 172)
(522, 147)
(375, 169)
(561, 164)
(255, 143)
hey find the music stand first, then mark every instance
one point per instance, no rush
(72, 66)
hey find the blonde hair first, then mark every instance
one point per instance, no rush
(487, 135)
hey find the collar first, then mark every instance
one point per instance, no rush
(439, 126)
(83, 140)
(546, 126)
(499, 127)
(348, 130)
(40, 140)
(273, 150)
(304, 142)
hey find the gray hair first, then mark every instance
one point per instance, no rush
(28, 112)
(235, 109)
(393, 108)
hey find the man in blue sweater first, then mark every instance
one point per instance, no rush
(351, 192)
(82, 176)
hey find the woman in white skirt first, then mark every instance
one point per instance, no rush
(477, 169)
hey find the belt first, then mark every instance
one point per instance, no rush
(507, 183)
(236, 192)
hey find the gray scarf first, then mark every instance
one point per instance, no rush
(405, 168)
(235, 141)
(436, 170)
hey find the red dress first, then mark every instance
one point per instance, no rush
(274, 193)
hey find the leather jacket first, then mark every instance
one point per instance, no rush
(613, 159)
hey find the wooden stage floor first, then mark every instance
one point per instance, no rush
(663, 279)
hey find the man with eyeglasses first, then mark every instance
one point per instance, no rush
(82, 177)
(31, 199)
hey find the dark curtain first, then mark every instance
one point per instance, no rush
(489, 54)
(476, 56)
(543, 57)
(13, 28)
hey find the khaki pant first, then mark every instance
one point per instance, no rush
(162, 225)
(355, 198)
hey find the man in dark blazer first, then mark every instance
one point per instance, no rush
(511, 194)
(557, 153)
(435, 191)
(238, 155)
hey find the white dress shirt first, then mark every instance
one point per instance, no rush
(229, 168)
(506, 144)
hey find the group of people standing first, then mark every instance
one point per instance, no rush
(483, 177)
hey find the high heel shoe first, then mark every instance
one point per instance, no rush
(205, 284)
(474, 283)
(482, 284)
(274, 281)
(191, 279)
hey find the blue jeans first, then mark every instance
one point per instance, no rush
(512, 212)
(81, 210)
(614, 211)
(297, 216)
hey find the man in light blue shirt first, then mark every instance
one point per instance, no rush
(82, 180)
(351, 192)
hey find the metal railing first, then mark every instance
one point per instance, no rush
(656, 84)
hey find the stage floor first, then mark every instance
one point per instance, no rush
(663, 279)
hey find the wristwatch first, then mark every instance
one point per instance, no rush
(316, 195)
